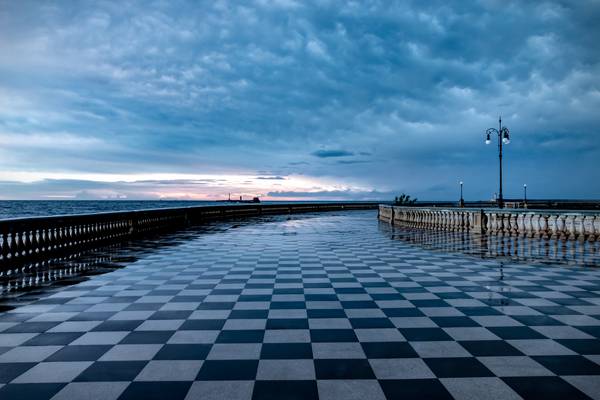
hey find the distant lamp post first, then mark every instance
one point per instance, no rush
(462, 201)
(503, 138)
(525, 195)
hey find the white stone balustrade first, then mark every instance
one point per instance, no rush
(540, 224)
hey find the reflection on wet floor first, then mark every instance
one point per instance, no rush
(35, 279)
(32, 280)
(511, 248)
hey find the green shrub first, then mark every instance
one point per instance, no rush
(404, 200)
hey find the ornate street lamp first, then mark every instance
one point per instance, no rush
(525, 195)
(503, 138)
(462, 201)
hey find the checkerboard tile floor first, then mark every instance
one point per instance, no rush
(305, 307)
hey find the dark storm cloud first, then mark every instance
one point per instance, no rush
(212, 86)
(332, 153)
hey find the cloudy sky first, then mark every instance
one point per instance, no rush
(297, 99)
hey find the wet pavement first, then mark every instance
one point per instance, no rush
(330, 306)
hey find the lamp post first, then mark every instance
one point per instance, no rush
(503, 138)
(525, 195)
(462, 201)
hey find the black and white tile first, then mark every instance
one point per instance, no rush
(314, 306)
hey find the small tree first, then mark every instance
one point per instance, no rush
(404, 200)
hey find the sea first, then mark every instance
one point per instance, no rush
(44, 208)
(41, 208)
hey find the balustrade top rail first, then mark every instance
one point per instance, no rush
(565, 224)
(496, 209)
(35, 238)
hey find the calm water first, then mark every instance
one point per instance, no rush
(38, 208)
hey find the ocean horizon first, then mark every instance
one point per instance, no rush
(43, 208)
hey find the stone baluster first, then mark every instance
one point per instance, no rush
(489, 223)
(514, 229)
(543, 226)
(520, 224)
(493, 223)
(570, 227)
(504, 224)
(560, 227)
(507, 223)
(552, 226)
(4, 251)
(499, 224)
(588, 224)
(526, 225)
(580, 227)
(469, 221)
(597, 227)
(533, 221)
